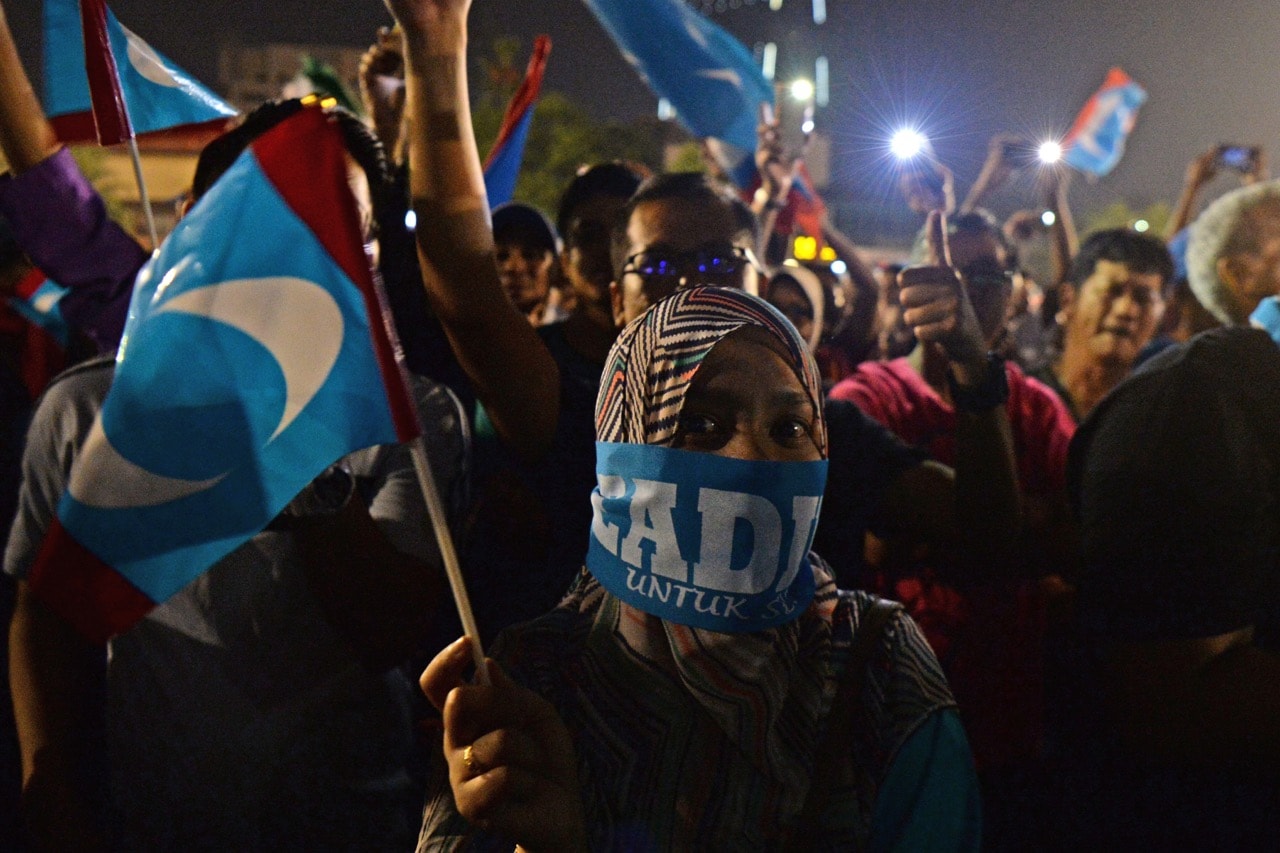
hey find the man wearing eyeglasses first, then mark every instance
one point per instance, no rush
(679, 230)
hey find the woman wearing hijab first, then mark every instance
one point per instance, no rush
(704, 685)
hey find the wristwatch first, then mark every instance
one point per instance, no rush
(992, 392)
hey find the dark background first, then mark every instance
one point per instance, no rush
(962, 70)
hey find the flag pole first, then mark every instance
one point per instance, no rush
(449, 554)
(143, 195)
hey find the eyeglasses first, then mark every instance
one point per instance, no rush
(710, 264)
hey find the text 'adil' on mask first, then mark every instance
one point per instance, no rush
(702, 540)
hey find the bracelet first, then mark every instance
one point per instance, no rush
(993, 392)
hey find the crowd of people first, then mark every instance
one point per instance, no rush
(925, 555)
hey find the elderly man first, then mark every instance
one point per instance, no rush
(1176, 476)
(1233, 257)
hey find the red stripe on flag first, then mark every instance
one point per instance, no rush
(79, 587)
(525, 97)
(1116, 79)
(79, 129)
(316, 191)
(810, 210)
(29, 283)
(110, 113)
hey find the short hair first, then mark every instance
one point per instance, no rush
(614, 180)
(218, 156)
(1141, 253)
(1220, 231)
(690, 187)
(524, 225)
(976, 221)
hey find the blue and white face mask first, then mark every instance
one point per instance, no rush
(703, 540)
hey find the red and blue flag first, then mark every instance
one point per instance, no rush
(36, 299)
(104, 83)
(502, 166)
(1096, 141)
(256, 353)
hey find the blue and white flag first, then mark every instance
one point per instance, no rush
(158, 94)
(255, 355)
(708, 76)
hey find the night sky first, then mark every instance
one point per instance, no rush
(961, 69)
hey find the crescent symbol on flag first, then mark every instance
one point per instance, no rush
(300, 325)
(146, 61)
(296, 320)
(106, 480)
(728, 75)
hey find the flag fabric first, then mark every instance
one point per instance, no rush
(36, 299)
(807, 207)
(1096, 141)
(256, 353)
(502, 166)
(87, 90)
(709, 78)
(32, 324)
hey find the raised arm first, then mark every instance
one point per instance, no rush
(979, 511)
(26, 137)
(1200, 171)
(996, 169)
(511, 370)
(58, 218)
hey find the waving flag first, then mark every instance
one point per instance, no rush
(87, 91)
(1096, 141)
(707, 76)
(256, 353)
(502, 166)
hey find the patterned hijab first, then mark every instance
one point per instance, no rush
(765, 692)
(652, 364)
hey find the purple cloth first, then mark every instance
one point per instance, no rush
(61, 222)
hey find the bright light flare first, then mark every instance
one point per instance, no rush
(802, 90)
(1048, 218)
(1141, 226)
(839, 267)
(907, 143)
(1050, 152)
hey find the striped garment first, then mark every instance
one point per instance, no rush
(687, 738)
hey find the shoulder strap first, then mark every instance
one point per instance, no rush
(837, 741)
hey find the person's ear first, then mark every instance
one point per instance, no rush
(1234, 271)
(616, 302)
